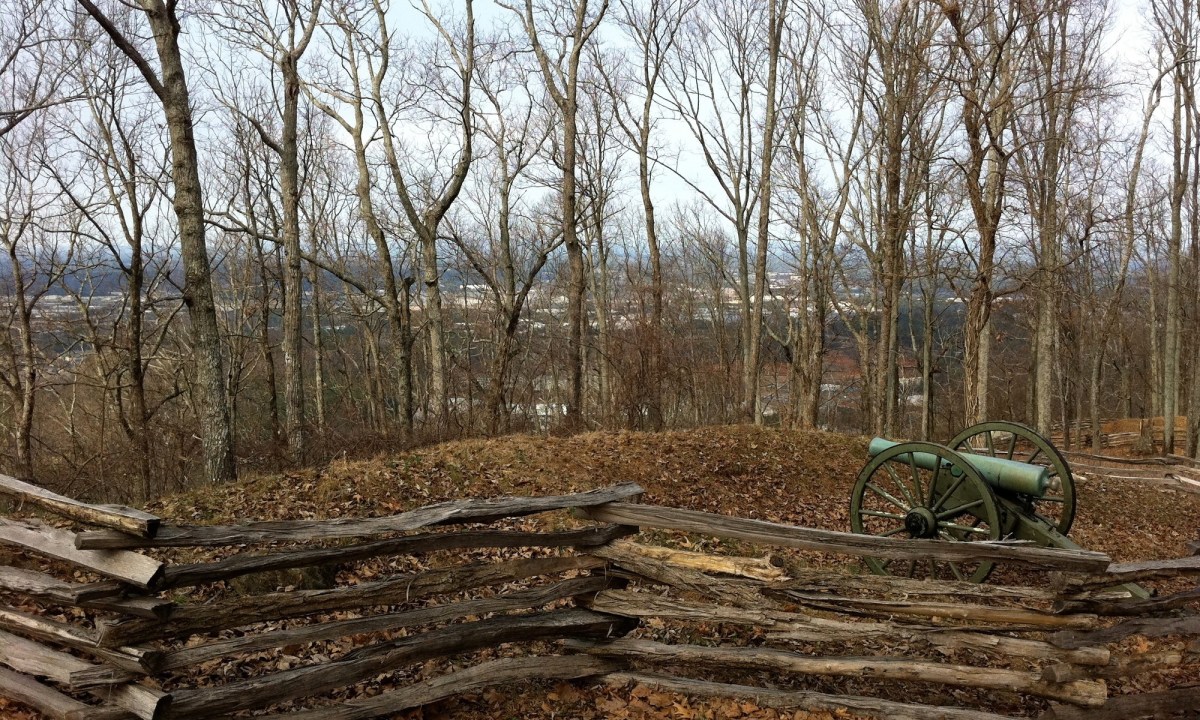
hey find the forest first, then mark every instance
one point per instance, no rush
(259, 234)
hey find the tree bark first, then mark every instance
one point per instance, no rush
(293, 275)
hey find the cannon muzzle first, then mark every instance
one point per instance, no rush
(1004, 474)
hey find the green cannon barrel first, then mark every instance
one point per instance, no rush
(1005, 474)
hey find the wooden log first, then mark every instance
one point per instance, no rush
(52, 703)
(128, 567)
(447, 513)
(1072, 457)
(1164, 703)
(735, 591)
(1135, 572)
(815, 580)
(244, 564)
(234, 612)
(143, 702)
(768, 533)
(1023, 617)
(753, 594)
(117, 517)
(33, 659)
(519, 600)
(1063, 672)
(795, 626)
(749, 567)
(1131, 607)
(808, 701)
(630, 553)
(95, 596)
(366, 662)
(1087, 693)
(131, 659)
(1183, 460)
(144, 606)
(1139, 664)
(469, 680)
(50, 589)
(1147, 627)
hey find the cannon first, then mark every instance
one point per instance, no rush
(992, 481)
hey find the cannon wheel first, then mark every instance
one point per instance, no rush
(895, 498)
(1014, 441)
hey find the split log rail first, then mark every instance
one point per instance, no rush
(97, 622)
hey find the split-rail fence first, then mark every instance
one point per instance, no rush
(97, 623)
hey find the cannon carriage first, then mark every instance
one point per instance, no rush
(993, 481)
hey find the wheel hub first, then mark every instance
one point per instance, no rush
(921, 523)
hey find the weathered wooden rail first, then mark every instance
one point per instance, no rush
(100, 619)
(1172, 471)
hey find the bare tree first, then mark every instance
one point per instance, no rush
(886, 50)
(282, 32)
(811, 216)
(354, 45)
(35, 263)
(1064, 54)
(1175, 23)
(654, 29)
(501, 241)
(169, 83)
(569, 30)
(1110, 313)
(33, 57)
(113, 181)
(717, 81)
(986, 39)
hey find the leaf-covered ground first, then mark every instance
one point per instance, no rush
(797, 477)
(802, 478)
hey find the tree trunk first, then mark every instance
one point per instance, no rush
(752, 402)
(578, 286)
(188, 200)
(439, 400)
(655, 399)
(26, 371)
(293, 276)
(1170, 392)
(318, 350)
(264, 345)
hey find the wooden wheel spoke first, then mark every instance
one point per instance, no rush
(946, 495)
(1012, 445)
(912, 501)
(888, 496)
(937, 473)
(965, 528)
(881, 514)
(991, 444)
(916, 476)
(892, 532)
(952, 512)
